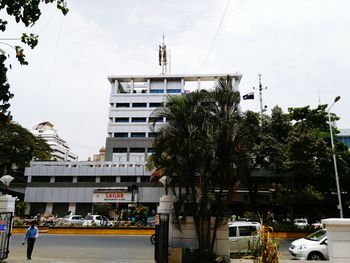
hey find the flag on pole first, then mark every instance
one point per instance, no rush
(249, 96)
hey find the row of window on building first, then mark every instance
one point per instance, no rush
(136, 119)
(136, 105)
(132, 134)
(90, 179)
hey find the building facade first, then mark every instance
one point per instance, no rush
(121, 179)
(60, 149)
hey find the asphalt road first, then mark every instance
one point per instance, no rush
(100, 248)
(84, 248)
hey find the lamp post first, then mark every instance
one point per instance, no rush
(334, 158)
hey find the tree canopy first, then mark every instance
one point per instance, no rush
(27, 13)
(18, 147)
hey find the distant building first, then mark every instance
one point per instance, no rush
(344, 136)
(60, 149)
(101, 156)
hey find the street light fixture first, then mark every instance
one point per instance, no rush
(334, 158)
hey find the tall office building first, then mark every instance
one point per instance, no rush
(133, 99)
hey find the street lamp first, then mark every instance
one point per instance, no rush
(334, 158)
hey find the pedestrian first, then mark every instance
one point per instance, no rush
(30, 236)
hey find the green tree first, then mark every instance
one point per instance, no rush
(18, 147)
(196, 149)
(28, 13)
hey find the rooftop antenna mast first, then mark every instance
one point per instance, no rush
(164, 58)
(262, 108)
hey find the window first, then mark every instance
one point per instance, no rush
(64, 179)
(122, 105)
(138, 134)
(156, 91)
(246, 230)
(120, 134)
(107, 179)
(173, 90)
(139, 105)
(151, 150)
(232, 231)
(137, 150)
(127, 179)
(120, 150)
(137, 119)
(121, 119)
(145, 179)
(40, 179)
(152, 134)
(155, 104)
(86, 179)
(154, 119)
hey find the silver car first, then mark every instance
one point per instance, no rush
(73, 219)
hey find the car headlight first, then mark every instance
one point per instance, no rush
(302, 247)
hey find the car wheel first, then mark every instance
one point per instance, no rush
(315, 256)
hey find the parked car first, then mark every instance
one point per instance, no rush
(73, 219)
(240, 232)
(98, 220)
(317, 225)
(312, 247)
(301, 223)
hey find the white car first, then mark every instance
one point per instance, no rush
(240, 232)
(97, 220)
(73, 219)
(301, 223)
(312, 247)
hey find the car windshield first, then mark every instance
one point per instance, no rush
(317, 236)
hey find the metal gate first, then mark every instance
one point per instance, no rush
(162, 239)
(5, 233)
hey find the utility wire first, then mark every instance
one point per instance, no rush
(216, 34)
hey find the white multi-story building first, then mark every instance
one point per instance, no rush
(121, 179)
(60, 149)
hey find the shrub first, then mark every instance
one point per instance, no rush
(263, 248)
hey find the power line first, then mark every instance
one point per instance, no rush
(216, 34)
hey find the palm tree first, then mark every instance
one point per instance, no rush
(195, 147)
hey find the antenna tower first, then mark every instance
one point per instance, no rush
(262, 108)
(164, 58)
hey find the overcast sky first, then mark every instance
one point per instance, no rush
(301, 48)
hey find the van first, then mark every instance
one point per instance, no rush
(240, 233)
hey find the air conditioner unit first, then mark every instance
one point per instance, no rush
(114, 165)
(67, 165)
(107, 165)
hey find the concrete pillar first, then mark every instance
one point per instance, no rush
(199, 83)
(48, 209)
(338, 235)
(52, 179)
(132, 86)
(115, 87)
(75, 179)
(165, 84)
(27, 212)
(117, 179)
(72, 207)
(97, 179)
(29, 179)
(148, 85)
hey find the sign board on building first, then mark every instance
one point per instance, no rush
(112, 197)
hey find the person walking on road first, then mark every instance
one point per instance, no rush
(30, 236)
